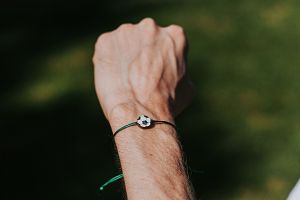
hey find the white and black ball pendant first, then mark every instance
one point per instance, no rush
(144, 121)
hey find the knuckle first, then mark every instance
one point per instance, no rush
(178, 34)
(148, 22)
(126, 26)
(148, 27)
(102, 38)
(176, 29)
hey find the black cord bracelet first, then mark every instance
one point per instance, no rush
(144, 122)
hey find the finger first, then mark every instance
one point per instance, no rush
(179, 37)
(148, 22)
(149, 30)
(125, 26)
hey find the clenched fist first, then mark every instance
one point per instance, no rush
(141, 68)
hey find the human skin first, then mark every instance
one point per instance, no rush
(141, 69)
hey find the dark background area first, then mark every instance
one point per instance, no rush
(240, 135)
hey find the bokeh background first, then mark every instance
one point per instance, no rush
(241, 134)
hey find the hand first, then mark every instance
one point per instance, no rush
(142, 68)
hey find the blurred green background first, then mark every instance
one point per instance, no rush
(241, 134)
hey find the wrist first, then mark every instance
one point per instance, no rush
(129, 112)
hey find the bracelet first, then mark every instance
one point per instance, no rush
(144, 122)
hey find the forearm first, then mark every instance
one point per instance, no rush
(151, 159)
(138, 65)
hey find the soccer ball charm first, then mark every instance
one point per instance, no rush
(144, 121)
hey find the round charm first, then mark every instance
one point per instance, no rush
(144, 121)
